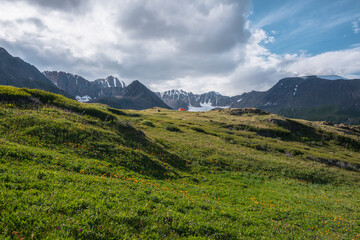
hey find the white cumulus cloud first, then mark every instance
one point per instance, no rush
(196, 45)
(356, 27)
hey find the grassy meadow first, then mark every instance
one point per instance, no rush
(87, 171)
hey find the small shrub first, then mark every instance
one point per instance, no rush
(172, 128)
(147, 123)
(197, 129)
(229, 140)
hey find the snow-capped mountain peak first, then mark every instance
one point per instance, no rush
(188, 100)
(216, 93)
(110, 82)
(174, 93)
(84, 90)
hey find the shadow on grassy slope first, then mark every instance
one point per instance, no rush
(291, 130)
(107, 137)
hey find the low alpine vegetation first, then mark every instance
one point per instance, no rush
(87, 171)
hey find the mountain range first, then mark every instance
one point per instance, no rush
(327, 98)
(84, 90)
(311, 97)
(189, 101)
(110, 90)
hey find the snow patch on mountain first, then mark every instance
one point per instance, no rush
(295, 89)
(331, 77)
(204, 107)
(270, 104)
(83, 99)
(110, 82)
(216, 93)
(326, 77)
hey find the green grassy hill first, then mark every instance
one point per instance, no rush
(87, 171)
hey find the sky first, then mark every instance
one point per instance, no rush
(228, 46)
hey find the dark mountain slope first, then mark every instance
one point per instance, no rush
(307, 96)
(16, 72)
(135, 96)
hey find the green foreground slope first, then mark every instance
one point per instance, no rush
(86, 171)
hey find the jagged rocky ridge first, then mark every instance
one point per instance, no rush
(83, 89)
(181, 99)
(110, 91)
(328, 98)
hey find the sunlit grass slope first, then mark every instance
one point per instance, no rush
(85, 171)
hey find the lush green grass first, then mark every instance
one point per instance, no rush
(82, 171)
